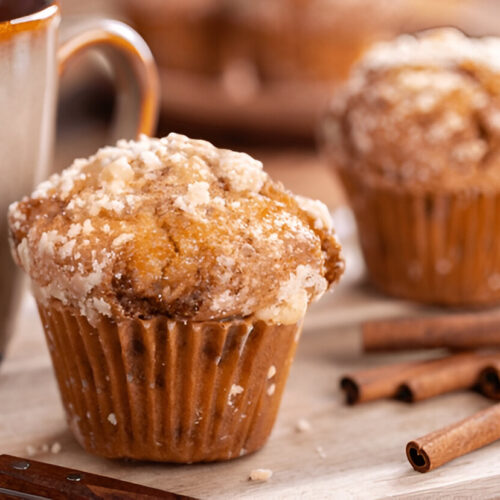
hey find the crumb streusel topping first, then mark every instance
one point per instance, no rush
(422, 111)
(174, 226)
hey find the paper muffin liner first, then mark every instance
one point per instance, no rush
(167, 390)
(435, 247)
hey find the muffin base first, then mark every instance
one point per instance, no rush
(167, 390)
(433, 247)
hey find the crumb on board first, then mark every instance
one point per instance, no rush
(302, 425)
(112, 419)
(260, 475)
(56, 448)
(30, 450)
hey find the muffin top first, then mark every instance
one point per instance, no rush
(422, 111)
(176, 227)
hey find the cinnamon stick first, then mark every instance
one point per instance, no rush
(456, 331)
(439, 447)
(418, 380)
(489, 381)
(375, 383)
(452, 373)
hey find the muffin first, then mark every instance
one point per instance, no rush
(415, 138)
(171, 279)
(311, 40)
(301, 40)
(266, 67)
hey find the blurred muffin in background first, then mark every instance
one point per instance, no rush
(184, 35)
(259, 65)
(308, 40)
(415, 137)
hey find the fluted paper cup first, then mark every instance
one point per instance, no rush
(167, 390)
(435, 247)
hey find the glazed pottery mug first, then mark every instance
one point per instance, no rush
(31, 59)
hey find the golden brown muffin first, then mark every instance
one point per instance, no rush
(415, 136)
(177, 276)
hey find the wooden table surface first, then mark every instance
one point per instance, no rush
(349, 452)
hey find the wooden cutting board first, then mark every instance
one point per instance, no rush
(349, 452)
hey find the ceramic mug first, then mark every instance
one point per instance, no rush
(32, 57)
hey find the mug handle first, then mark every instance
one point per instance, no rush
(136, 77)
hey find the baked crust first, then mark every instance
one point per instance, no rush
(422, 112)
(175, 227)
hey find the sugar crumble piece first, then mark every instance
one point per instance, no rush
(271, 372)
(303, 425)
(74, 230)
(261, 475)
(294, 295)
(271, 389)
(241, 171)
(197, 194)
(317, 210)
(123, 238)
(234, 391)
(112, 419)
(87, 226)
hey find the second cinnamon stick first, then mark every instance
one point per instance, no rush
(417, 380)
(489, 381)
(452, 373)
(439, 447)
(375, 383)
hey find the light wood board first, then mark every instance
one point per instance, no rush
(362, 448)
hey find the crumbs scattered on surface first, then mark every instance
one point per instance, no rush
(54, 448)
(261, 475)
(31, 450)
(112, 419)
